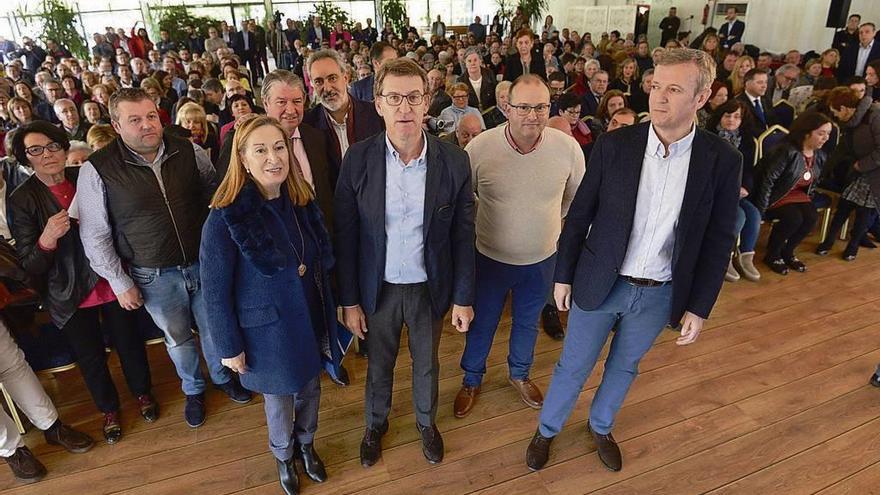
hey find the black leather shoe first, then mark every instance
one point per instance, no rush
(822, 249)
(606, 447)
(538, 451)
(194, 410)
(848, 256)
(777, 266)
(550, 322)
(371, 447)
(342, 379)
(796, 264)
(312, 464)
(235, 391)
(432, 443)
(875, 380)
(149, 408)
(72, 440)
(362, 348)
(287, 476)
(25, 467)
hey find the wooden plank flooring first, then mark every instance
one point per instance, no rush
(773, 399)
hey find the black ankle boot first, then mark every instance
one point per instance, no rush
(288, 477)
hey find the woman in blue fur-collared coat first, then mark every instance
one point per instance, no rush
(265, 262)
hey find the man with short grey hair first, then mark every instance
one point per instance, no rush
(782, 82)
(67, 113)
(468, 128)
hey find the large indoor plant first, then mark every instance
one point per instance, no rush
(57, 21)
(175, 18)
(394, 11)
(331, 13)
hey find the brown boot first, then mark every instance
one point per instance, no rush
(465, 401)
(65, 436)
(25, 467)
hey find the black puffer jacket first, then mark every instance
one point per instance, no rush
(63, 276)
(779, 172)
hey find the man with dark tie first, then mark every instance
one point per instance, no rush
(754, 96)
(597, 86)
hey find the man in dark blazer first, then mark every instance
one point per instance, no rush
(404, 250)
(855, 58)
(754, 96)
(246, 49)
(317, 34)
(731, 32)
(344, 120)
(514, 65)
(380, 52)
(597, 86)
(645, 244)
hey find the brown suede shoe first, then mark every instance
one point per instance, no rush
(606, 447)
(25, 467)
(465, 400)
(72, 440)
(529, 392)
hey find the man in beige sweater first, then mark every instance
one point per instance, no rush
(525, 176)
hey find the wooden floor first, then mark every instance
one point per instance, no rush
(773, 399)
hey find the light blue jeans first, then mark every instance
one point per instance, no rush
(173, 296)
(640, 313)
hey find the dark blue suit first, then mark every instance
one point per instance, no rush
(592, 249)
(589, 104)
(363, 89)
(605, 204)
(448, 225)
(849, 59)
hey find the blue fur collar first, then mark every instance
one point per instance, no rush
(247, 226)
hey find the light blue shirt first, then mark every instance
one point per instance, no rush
(405, 216)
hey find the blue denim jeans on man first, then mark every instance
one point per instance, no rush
(638, 314)
(173, 296)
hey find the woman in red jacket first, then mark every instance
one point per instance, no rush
(139, 44)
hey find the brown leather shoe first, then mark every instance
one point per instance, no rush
(606, 447)
(25, 466)
(73, 441)
(529, 392)
(465, 400)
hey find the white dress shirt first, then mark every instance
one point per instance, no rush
(862, 60)
(341, 130)
(658, 205)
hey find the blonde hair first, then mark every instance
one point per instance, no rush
(100, 135)
(193, 111)
(297, 188)
(738, 83)
(704, 62)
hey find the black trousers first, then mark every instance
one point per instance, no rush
(84, 332)
(399, 304)
(864, 218)
(796, 221)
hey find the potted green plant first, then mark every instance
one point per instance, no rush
(175, 18)
(58, 22)
(330, 14)
(533, 9)
(394, 11)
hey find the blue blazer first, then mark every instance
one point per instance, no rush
(258, 305)
(734, 36)
(596, 233)
(448, 225)
(363, 89)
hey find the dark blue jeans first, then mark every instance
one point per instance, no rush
(529, 284)
(748, 225)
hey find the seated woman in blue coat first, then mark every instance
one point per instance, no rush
(265, 263)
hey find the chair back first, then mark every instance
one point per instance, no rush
(785, 113)
(770, 139)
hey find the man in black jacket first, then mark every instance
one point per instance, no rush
(645, 244)
(669, 26)
(142, 201)
(404, 250)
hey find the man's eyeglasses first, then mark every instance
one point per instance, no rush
(39, 150)
(524, 110)
(395, 99)
(572, 111)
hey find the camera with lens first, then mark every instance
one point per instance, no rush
(437, 125)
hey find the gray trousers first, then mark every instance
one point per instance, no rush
(292, 418)
(399, 304)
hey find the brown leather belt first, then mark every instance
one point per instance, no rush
(643, 282)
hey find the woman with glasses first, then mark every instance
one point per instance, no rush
(459, 108)
(570, 108)
(80, 303)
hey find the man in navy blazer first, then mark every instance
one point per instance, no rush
(731, 32)
(380, 53)
(854, 59)
(405, 250)
(343, 119)
(595, 91)
(645, 244)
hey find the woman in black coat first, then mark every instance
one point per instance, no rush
(786, 180)
(80, 303)
(478, 75)
(525, 56)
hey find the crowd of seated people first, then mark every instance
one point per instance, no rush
(806, 124)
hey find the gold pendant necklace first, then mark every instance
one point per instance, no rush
(301, 269)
